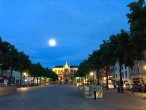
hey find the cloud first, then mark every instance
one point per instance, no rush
(70, 58)
(42, 61)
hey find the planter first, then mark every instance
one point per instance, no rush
(7, 89)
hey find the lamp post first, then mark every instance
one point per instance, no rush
(25, 74)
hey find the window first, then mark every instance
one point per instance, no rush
(125, 67)
(122, 74)
(116, 76)
(115, 68)
(122, 67)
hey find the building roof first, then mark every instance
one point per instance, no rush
(62, 66)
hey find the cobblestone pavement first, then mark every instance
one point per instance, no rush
(66, 97)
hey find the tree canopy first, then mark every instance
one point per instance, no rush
(11, 58)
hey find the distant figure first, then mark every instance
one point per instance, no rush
(114, 87)
(132, 90)
(94, 93)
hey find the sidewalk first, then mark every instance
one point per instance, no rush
(139, 94)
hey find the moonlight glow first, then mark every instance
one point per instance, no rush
(52, 42)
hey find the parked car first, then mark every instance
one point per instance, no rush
(144, 88)
(110, 85)
(126, 86)
(137, 87)
(130, 86)
(24, 84)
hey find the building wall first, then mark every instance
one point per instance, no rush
(138, 74)
(65, 72)
(126, 73)
(15, 76)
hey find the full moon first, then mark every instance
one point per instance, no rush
(52, 42)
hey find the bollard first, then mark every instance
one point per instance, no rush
(94, 93)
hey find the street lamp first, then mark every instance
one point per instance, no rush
(145, 67)
(25, 74)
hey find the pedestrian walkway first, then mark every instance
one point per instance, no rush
(67, 97)
(139, 94)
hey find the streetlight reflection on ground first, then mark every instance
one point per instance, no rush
(23, 89)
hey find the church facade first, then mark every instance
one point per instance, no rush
(65, 73)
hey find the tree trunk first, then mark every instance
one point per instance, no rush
(20, 78)
(40, 81)
(107, 73)
(33, 81)
(37, 82)
(98, 76)
(11, 72)
(121, 81)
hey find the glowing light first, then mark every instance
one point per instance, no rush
(145, 67)
(23, 89)
(24, 74)
(52, 42)
(91, 73)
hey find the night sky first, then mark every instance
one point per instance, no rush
(78, 26)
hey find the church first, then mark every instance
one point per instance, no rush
(65, 73)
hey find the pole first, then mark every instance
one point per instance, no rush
(93, 77)
(94, 93)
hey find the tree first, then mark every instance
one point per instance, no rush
(1, 43)
(50, 74)
(9, 58)
(83, 70)
(34, 72)
(23, 63)
(107, 57)
(95, 62)
(121, 40)
(137, 21)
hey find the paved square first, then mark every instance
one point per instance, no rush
(66, 97)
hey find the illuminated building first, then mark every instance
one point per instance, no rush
(65, 73)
